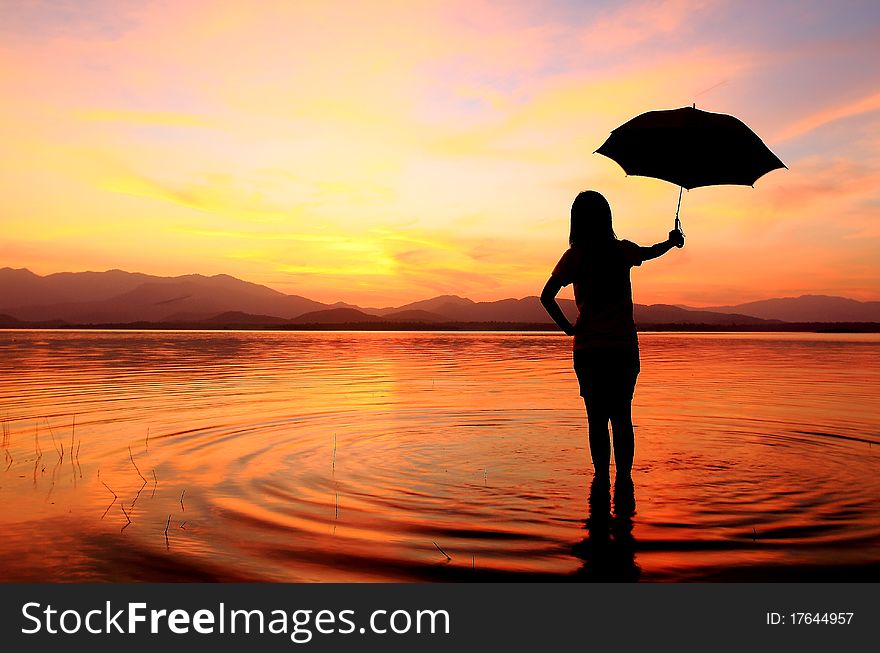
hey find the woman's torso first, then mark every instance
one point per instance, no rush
(603, 294)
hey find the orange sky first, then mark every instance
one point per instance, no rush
(384, 152)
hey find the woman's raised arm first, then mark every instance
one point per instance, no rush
(676, 239)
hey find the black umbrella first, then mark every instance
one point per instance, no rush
(690, 148)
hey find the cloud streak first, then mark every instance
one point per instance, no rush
(868, 104)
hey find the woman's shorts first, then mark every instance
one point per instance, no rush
(607, 373)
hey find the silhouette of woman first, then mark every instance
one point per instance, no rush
(606, 348)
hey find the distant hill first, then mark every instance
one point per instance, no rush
(806, 308)
(239, 319)
(355, 316)
(336, 316)
(460, 309)
(9, 322)
(529, 310)
(116, 297)
(233, 319)
(667, 314)
(120, 297)
(414, 315)
(441, 305)
(24, 288)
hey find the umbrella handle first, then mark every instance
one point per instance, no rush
(677, 210)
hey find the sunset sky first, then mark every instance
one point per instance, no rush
(384, 152)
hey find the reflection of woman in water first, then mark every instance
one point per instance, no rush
(606, 348)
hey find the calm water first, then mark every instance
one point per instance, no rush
(374, 456)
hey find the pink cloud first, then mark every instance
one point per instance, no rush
(825, 116)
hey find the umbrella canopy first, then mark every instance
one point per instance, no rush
(690, 148)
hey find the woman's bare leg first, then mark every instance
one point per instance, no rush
(624, 439)
(600, 446)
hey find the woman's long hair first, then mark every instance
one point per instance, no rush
(591, 221)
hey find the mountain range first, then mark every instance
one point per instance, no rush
(117, 297)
